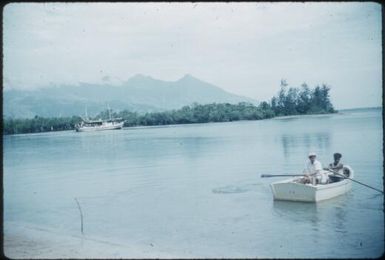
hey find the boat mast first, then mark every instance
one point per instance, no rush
(86, 113)
(109, 112)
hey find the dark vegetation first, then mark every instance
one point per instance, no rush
(288, 101)
(39, 124)
(303, 100)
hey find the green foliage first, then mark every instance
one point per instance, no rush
(295, 101)
(289, 101)
(39, 124)
(200, 114)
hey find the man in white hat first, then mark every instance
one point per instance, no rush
(313, 171)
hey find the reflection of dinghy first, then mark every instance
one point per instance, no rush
(291, 189)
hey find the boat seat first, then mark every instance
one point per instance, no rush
(333, 178)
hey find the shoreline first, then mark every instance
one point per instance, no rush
(339, 112)
(183, 124)
(24, 241)
(305, 115)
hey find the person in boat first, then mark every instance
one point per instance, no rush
(313, 171)
(335, 166)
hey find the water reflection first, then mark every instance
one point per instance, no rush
(318, 140)
(298, 212)
(195, 146)
(330, 214)
(237, 188)
(340, 219)
(103, 143)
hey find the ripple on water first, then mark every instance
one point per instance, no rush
(236, 188)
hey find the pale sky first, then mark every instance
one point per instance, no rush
(244, 48)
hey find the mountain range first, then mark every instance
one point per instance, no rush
(139, 93)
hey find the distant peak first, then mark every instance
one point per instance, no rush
(187, 77)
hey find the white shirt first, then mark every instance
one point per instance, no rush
(312, 168)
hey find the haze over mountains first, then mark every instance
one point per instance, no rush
(139, 93)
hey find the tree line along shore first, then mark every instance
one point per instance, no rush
(288, 101)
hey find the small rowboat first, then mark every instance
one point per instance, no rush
(291, 189)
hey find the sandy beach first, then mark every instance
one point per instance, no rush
(22, 241)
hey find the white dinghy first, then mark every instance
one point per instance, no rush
(291, 189)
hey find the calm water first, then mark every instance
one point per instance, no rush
(195, 190)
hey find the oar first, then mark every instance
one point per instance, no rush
(343, 176)
(280, 175)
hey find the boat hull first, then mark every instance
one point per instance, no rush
(307, 192)
(294, 191)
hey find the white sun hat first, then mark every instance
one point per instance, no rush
(312, 154)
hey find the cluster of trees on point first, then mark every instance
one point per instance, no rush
(298, 101)
(288, 101)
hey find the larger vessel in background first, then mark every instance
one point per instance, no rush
(97, 125)
(88, 125)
